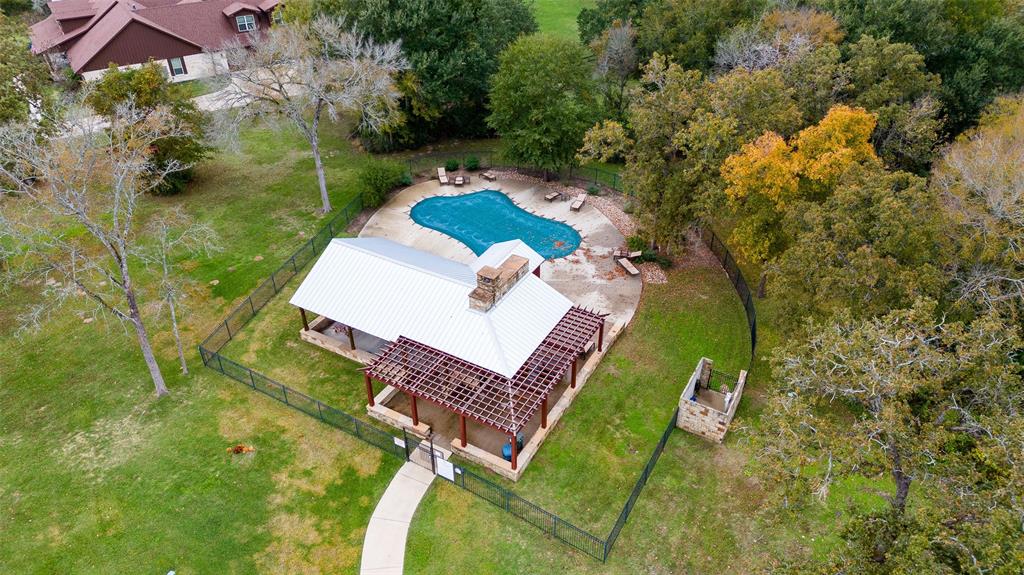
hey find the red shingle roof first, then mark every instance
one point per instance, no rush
(202, 23)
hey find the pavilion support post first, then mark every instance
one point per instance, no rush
(415, 414)
(462, 429)
(369, 389)
(536, 272)
(351, 339)
(305, 323)
(544, 413)
(515, 451)
(600, 337)
(572, 382)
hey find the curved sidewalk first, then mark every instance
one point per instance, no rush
(384, 544)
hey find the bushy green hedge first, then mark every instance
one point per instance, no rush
(378, 177)
(473, 163)
(451, 165)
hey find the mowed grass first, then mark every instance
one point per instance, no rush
(559, 16)
(702, 511)
(97, 476)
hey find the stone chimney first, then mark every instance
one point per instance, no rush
(493, 283)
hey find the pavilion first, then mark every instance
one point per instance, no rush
(487, 341)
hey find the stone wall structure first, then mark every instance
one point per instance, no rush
(706, 412)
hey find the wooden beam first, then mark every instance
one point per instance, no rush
(544, 413)
(305, 324)
(351, 339)
(600, 337)
(515, 452)
(462, 429)
(415, 414)
(572, 383)
(369, 389)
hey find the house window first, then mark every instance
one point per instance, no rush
(177, 66)
(246, 22)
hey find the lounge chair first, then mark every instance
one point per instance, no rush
(551, 196)
(628, 265)
(578, 202)
(635, 254)
(442, 177)
(489, 176)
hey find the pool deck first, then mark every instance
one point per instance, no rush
(589, 277)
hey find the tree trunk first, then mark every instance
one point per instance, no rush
(762, 285)
(177, 335)
(314, 143)
(147, 349)
(899, 499)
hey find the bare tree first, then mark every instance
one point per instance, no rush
(616, 62)
(74, 222)
(299, 71)
(174, 233)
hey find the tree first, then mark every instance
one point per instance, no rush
(75, 221)
(767, 176)
(452, 47)
(819, 80)
(779, 36)
(616, 63)
(543, 100)
(976, 47)
(172, 235)
(890, 79)
(23, 76)
(876, 243)
(593, 21)
(687, 30)
(759, 101)
(147, 87)
(981, 181)
(917, 399)
(300, 71)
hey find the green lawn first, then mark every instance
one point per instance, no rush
(559, 16)
(96, 476)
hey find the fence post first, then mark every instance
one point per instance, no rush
(251, 306)
(284, 392)
(405, 442)
(220, 363)
(252, 379)
(227, 327)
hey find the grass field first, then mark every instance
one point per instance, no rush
(559, 16)
(96, 476)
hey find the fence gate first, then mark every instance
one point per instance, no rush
(423, 453)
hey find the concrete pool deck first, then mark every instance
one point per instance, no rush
(589, 277)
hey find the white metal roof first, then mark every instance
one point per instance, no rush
(499, 252)
(389, 290)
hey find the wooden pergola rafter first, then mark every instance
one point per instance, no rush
(473, 392)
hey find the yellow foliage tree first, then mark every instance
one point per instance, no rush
(824, 152)
(765, 166)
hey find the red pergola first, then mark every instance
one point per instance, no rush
(506, 404)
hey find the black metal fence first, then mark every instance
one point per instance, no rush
(424, 164)
(739, 282)
(640, 483)
(552, 524)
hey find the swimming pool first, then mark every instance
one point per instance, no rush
(483, 218)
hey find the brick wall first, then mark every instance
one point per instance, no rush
(703, 420)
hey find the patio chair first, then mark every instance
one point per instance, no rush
(489, 176)
(460, 180)
(578, 202)
(551, 196)
(442, 177)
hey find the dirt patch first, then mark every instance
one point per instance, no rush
(107, 443)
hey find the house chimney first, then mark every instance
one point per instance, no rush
(493, 283)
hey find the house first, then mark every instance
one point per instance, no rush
(488, 342)
(186, 36)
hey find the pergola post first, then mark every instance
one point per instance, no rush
(305, 324)
(515, 451)
(572, 383)
(536, 271)
(351, 339)
(369, 389)
(600, 336)
(415, 414)
(544, 413)
(462, 429)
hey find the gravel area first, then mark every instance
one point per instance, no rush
(609, 207)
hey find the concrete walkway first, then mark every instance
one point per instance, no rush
(384, 544)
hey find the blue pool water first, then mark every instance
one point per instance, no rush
(481, 219)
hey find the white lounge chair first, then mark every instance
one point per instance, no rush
(578, 202)
(442, 177)
(628, 265)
